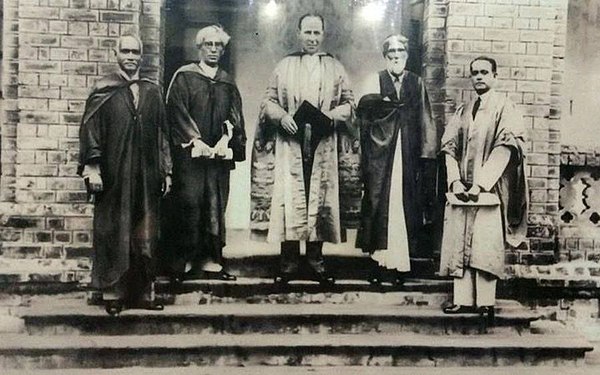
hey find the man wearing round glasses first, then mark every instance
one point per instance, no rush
(204, 108)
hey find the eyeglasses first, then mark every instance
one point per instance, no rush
(210, 44)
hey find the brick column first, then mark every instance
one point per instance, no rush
(54, 52)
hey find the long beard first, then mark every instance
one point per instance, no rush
(396, 67)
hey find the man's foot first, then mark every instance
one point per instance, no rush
(220, 275)
(324, 279)
(398, 278)
(282, 279)
(113, 307)
(459, 309)
(374, 278)
(151, 305)
(491, 314)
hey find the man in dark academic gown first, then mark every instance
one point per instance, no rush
(399, 143)
(204, 109)
(125, 160)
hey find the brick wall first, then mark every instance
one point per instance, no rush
(54, 51)
(527, 39)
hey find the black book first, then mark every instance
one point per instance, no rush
(320, 125)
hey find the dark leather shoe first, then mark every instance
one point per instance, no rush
(282, 279)
(490, 312)
(459, 309)
(221, 275)
(113, 307)
(374, 279)
(325, 279)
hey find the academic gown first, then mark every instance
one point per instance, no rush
(197, 107)
(389, 126)
(131, 147)
(477, 237)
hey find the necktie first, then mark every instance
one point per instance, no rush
(397, 85)
(476, 107)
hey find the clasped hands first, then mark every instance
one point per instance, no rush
(220, 151)
(464, 195)
(289, 124)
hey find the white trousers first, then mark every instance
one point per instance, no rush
(475, 288)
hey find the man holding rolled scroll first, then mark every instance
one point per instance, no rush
(486, 213)
(204, 108)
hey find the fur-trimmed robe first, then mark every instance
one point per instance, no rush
(279, 211)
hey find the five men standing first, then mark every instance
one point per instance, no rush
(125, 158)
(295, 186)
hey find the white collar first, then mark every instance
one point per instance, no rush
(134, 77)
(400, 76)
(485, 96)
(209, 71)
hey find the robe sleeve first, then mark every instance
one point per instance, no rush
(343, 114)
(183, 127)
(90, 142)
(166, 163)
(450, 141)
(271, 109)
(429, 133)
(236, 117)
(493, 168)
(511, 131)
(452, 171)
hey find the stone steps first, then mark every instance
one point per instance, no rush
(319, 370)
(252, 323)
(25, 351)
(235, 318)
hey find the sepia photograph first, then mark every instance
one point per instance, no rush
(266, 187)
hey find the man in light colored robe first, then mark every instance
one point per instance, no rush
(399, 144)
(295, 192)
(484, 146)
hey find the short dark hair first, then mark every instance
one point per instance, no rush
(484, 58)
(317, 15)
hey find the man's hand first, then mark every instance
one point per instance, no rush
(289, 125)
(460, 191)
(200, 149)
(221, 149)
(166, 185)
(473, 193)
(94, 183)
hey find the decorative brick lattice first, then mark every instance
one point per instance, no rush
(579, 230)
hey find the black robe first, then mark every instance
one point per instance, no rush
(380, 117)
(131, 147)
(197, 107)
